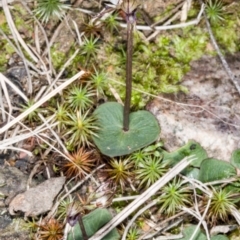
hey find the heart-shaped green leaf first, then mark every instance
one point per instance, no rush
(213, 169)
(113, 141)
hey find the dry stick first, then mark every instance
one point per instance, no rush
(202, 187)
(153, 27)
(36, 132)
(169, 21)
(17, 149)
(10, 141)
(127, 102)
(224, 62)
(25, 136)
(235, 213)
(115, 94)
(142, 199)
(13, 86)
(185, 8)
(57, 137)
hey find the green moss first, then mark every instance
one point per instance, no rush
(227, 36)
(78, 61)
(20, 9)
(9, 49)
(58, 57)
(157, 67)
(3, 23)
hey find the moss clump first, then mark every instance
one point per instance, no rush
(5, 53)
(157, 67)
(229, 41)
(58, 57)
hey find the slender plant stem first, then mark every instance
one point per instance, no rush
(80, 221)
(127, 103)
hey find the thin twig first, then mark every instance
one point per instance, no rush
(17, 149)
(20, 54)
(224, 62)
(4, 117)
(15, 32)
(13, 87)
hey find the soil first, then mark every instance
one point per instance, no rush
(208, 114)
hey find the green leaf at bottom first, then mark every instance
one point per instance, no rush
(92, 223)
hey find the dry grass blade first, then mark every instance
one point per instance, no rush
(2, 107)
(14, 139)
(17, 149)
(4, 88)
(13, 87)
(41, 101)
(18, 39)
(236, 214)
(15, 32)
(38, 132)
